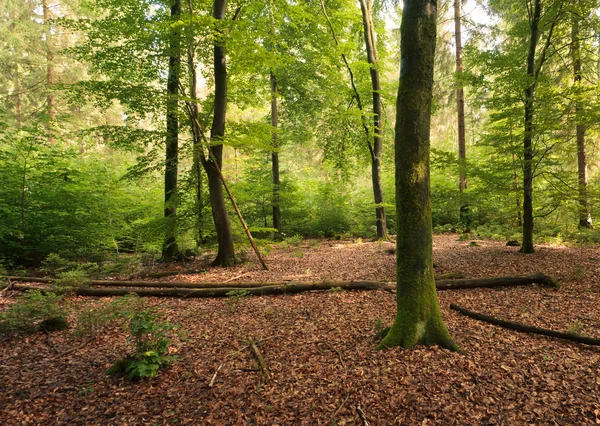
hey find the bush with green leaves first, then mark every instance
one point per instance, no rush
(151, 338)
(35, 310)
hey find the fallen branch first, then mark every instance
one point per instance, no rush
(75, 349)
(339, 409)
(261, 360)
(361, 414)
(212, 381)
(8, 287)
(497, 282)
(526, 328)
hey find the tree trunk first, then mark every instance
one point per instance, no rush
(275, 155)
(441, 284)
(207, 290)
(418, 317)
(460, 112)
(50, 108)
(528, 134)
(585, 217)
(376, 150)
(170, 250)
(214, 163)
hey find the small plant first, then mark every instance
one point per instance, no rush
(294, 241)
(54, 263)
(577, 328)
(380, 329)
(69, 281)
(235, 296)
(336, 290)
(151, 338)
(35, 310)
(92, 320)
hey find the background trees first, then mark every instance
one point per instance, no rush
(293, 145)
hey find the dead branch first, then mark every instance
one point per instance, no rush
(261, 360)
(8, 287)
(526, 328)
(361, 414)
(339, 409)
(75, 349)
(212, 381)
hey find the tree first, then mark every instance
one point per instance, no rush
(418, 317)
(535, 62)
(214, 163)
(585, 217)
(169, 249)
(460, 113)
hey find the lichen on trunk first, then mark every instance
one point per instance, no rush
(418, 318)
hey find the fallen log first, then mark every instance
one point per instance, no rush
(526, 328)
(497, 282)
(446, 284)
(291, 288)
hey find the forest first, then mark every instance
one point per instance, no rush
(299, 212)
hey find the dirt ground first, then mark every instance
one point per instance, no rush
(319, 349)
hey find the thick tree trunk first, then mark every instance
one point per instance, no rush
(528, 134)
(275, 155)
(213, 164)
(377, 148)
(585, 217)
(170, 250)
(50, 108)
(418, 317)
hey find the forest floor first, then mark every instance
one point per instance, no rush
(320, 350)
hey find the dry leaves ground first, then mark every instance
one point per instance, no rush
(320, 351)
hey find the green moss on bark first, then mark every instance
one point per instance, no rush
(418, 318)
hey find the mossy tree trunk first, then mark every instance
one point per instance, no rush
(214, 163)
(170, 250)
(418, 317)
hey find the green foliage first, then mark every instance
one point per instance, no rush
(34, 310)
(336, 290)
(577, 328)
(92, 320)
(150, 337)
(68, 281)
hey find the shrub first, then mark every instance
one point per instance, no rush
(35, 310)
(69, 281)
(151, 338)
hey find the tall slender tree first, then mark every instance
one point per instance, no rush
(535, 63)
(418, 317)
(50, 108)
(170, 250)
(585, 217)
(460, 113)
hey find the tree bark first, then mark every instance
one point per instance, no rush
(214, 163)
(441, 284)
(170, 250)
(460, 99)
(275, 154)
(50, 108)
(526, 328)
(527, 246)
(213, 289)
(377, 148)
(418, 317)
(585, 217)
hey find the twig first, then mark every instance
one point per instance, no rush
(235, 278)
(49, 342)
(339, 409)
(361, 414)
(87, 342)
(8, 287)
(212, 381)
(331, 348)
(261, 360)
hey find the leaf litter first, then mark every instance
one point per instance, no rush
(319, 349)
